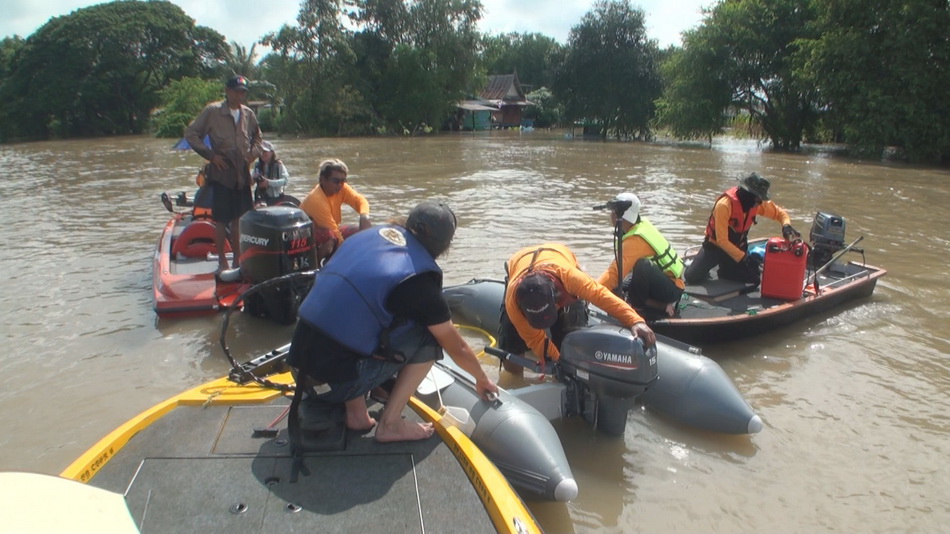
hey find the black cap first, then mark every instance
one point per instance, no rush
(238, 82)
(535, 297)
(433, 224)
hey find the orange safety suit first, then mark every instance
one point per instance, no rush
(558, 261)
(729, 226)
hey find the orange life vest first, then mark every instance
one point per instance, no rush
(740, 222)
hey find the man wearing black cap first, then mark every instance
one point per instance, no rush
(376, 310)
(727, 232)
(235, 144)
(544, 301)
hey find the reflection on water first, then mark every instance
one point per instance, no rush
(854, 402)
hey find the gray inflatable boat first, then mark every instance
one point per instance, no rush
(688, 387)
(515, 436)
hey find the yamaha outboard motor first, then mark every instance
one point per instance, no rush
(275, 241)
(605, 369)
(827, 238)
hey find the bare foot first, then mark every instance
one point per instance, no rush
(403, 430)
(360, 422)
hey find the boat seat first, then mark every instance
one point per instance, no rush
(197, 241)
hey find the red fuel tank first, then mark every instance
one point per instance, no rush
(783, 274)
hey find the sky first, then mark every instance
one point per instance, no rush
(245, 21)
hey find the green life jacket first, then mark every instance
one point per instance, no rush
(664, 256)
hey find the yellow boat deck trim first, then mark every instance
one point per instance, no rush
(509, 516)
(220, 391)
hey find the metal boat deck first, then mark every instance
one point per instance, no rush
(210, 469)
(723, 310)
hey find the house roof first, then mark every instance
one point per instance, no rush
(477, 105)
(504, 87)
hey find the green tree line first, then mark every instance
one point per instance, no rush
(870, 74)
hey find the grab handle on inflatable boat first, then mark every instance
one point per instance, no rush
(527, 363)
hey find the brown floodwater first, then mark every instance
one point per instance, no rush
(855, 402)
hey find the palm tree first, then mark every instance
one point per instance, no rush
(242, 61)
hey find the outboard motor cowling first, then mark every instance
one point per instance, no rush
(609, 359)
(827, 238)
(275, 241)
(605, 368)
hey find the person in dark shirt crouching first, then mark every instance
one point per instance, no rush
(376, 310)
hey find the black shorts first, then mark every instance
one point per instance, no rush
(348, 374)
(229, 204)
(647, 281)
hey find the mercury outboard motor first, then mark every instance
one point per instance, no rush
(275, 241)
(827, 238)
(605, 369)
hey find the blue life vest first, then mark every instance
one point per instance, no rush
(348, 298)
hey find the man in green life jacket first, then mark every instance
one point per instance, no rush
(652, 275)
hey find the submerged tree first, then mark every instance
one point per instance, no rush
(884, 68)
(312, 63)
(397, 66)
(748, 47)
(428, 53)
(695, 95)
(610, 71)
(99, 70)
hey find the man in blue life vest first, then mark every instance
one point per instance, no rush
(652, 277)
(727, 233)
(376, 310)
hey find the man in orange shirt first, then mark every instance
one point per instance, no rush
(727, 233)
(543, 302)
(652, 277)
(323, 204)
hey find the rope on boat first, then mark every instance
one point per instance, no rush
(235, 366)
(211, 398)
(491, 339)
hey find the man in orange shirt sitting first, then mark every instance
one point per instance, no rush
(323, 204)
(727, 233)
(544, 301)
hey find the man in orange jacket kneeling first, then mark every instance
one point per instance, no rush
(545, 300)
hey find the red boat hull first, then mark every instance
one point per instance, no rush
(183, 280)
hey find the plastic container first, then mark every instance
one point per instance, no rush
(783, 274)
(459, 418)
